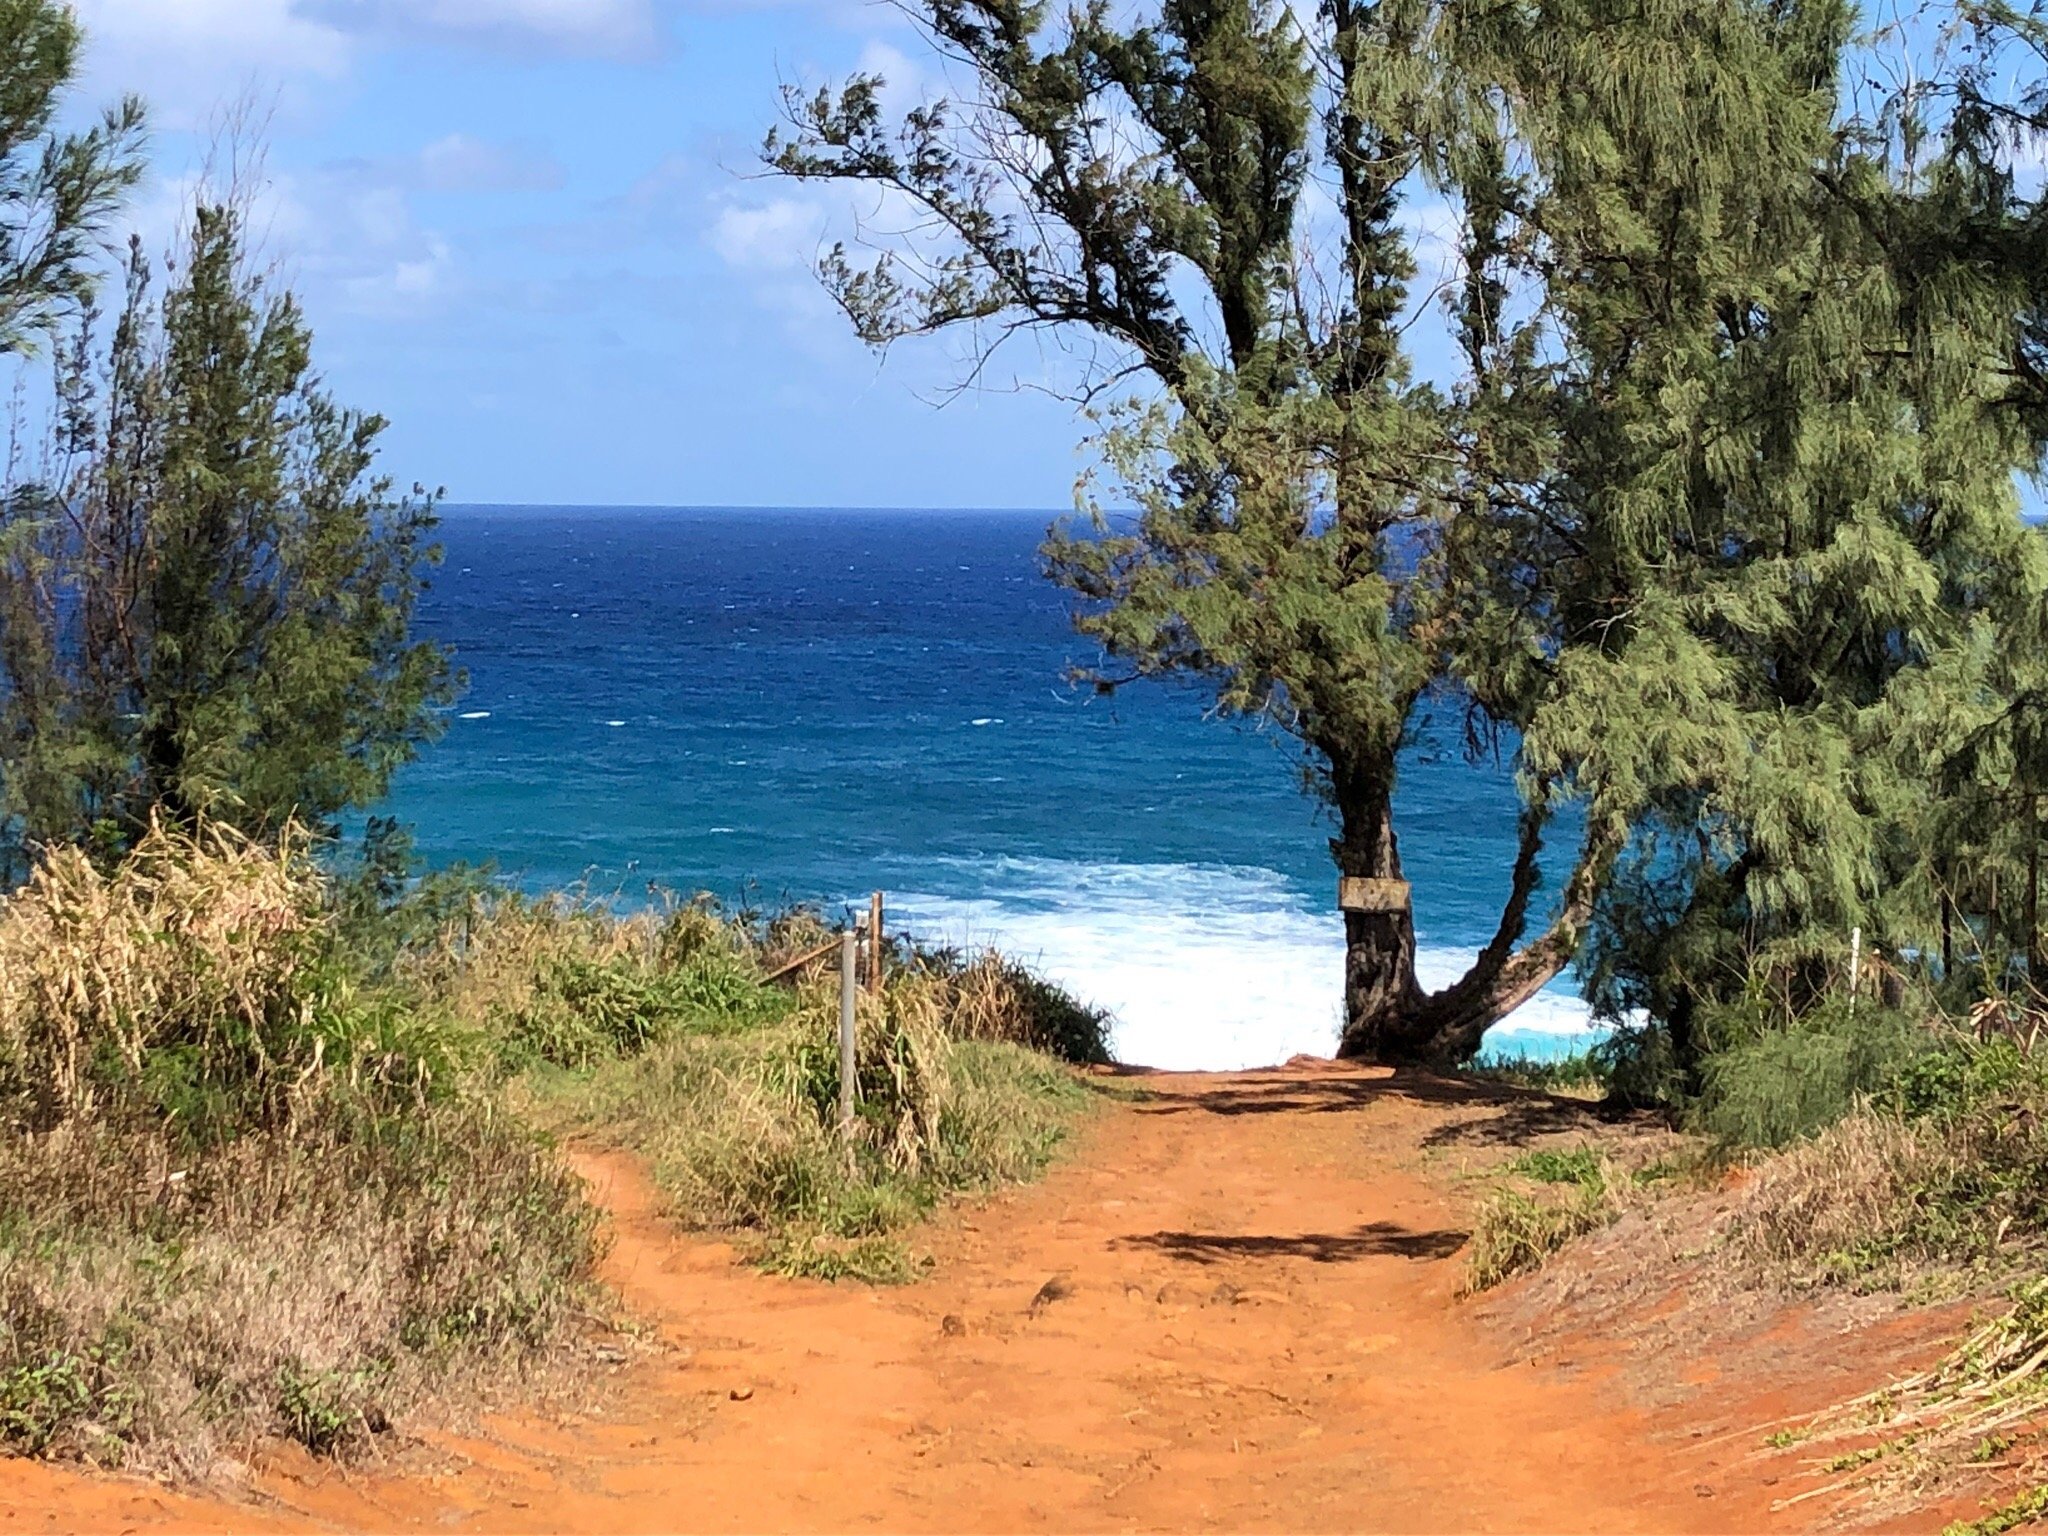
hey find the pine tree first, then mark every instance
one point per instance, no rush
(1855, 602)
(1635, 187)
(205, 606)
(57, 190)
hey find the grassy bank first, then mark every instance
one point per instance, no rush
(278, 1155)
(1869, 1150)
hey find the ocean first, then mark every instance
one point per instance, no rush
(806, 705)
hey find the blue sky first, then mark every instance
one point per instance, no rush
(532, 234)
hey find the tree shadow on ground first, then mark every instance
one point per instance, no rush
(1373, 1240)
(1283, 1093)
(1521, 1119)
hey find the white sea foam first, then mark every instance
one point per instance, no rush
(1202, 966)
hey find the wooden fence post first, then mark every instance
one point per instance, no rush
(849, 957)
(876, 945)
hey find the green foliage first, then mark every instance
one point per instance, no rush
(2030, 1508)
(1768, 1086)
(58, 189)
(1945, 1167)
(327, 1410)
(1549, 1165)
(1581, 1073)
(207, 594)
(805, 1254)
(742, 1129)
(989, 996)
(1579, 1190)
(1713, 530)
(40, 1400)
(583, 1011)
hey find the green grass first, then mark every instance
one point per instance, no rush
(1580, 1075)
(274, 1153)
(1576, 1165)
(1514, 1231)
(2030, 1508)
(741, 1131)
(1941, 1173)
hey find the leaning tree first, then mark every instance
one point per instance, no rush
(1339, 518)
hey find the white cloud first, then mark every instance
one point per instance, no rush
(345, 238)
(905, 81)
(778, 236)
(269, 33)
(189, 56)
(463, 163)
(592, 28)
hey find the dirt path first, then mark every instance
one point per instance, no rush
(1244, 1319)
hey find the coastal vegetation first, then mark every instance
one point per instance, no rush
(282, 1158)
(1709, 523)
(207, 592)
(1461, 360)
(279, 1121)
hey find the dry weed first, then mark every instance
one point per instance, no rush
(1828, 1202)
(195, 941)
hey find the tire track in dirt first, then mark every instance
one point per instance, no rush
(1230, 1308)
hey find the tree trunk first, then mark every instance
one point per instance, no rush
(1380, 991)
(1387, 1016)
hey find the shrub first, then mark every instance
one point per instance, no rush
(315, 1281)
(1946, 1166)
(987, 996)
(742, 1129)
(1639, 1067)
(565, 980)
(1769, 1087)
(240, 1192)
(194, 949)
(1514, 1232)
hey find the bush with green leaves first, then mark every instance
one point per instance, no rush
(1944, 1169)
(1767, 1085)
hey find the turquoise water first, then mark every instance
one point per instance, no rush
(806, 705)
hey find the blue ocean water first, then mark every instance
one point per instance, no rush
(806, 705)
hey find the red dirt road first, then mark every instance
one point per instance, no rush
(1251, 1325)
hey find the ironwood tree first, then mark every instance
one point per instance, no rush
(57, 189)
(1855, 591)
(1661, 518)
(206, 590)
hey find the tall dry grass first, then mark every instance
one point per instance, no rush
(196, 944)
(239, 1195)
(257, 1171)
(742, 1130)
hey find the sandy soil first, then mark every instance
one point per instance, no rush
(1232, 1307)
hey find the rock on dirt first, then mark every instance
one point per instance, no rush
(1058, 1288)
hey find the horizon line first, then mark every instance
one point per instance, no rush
(739, 506)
